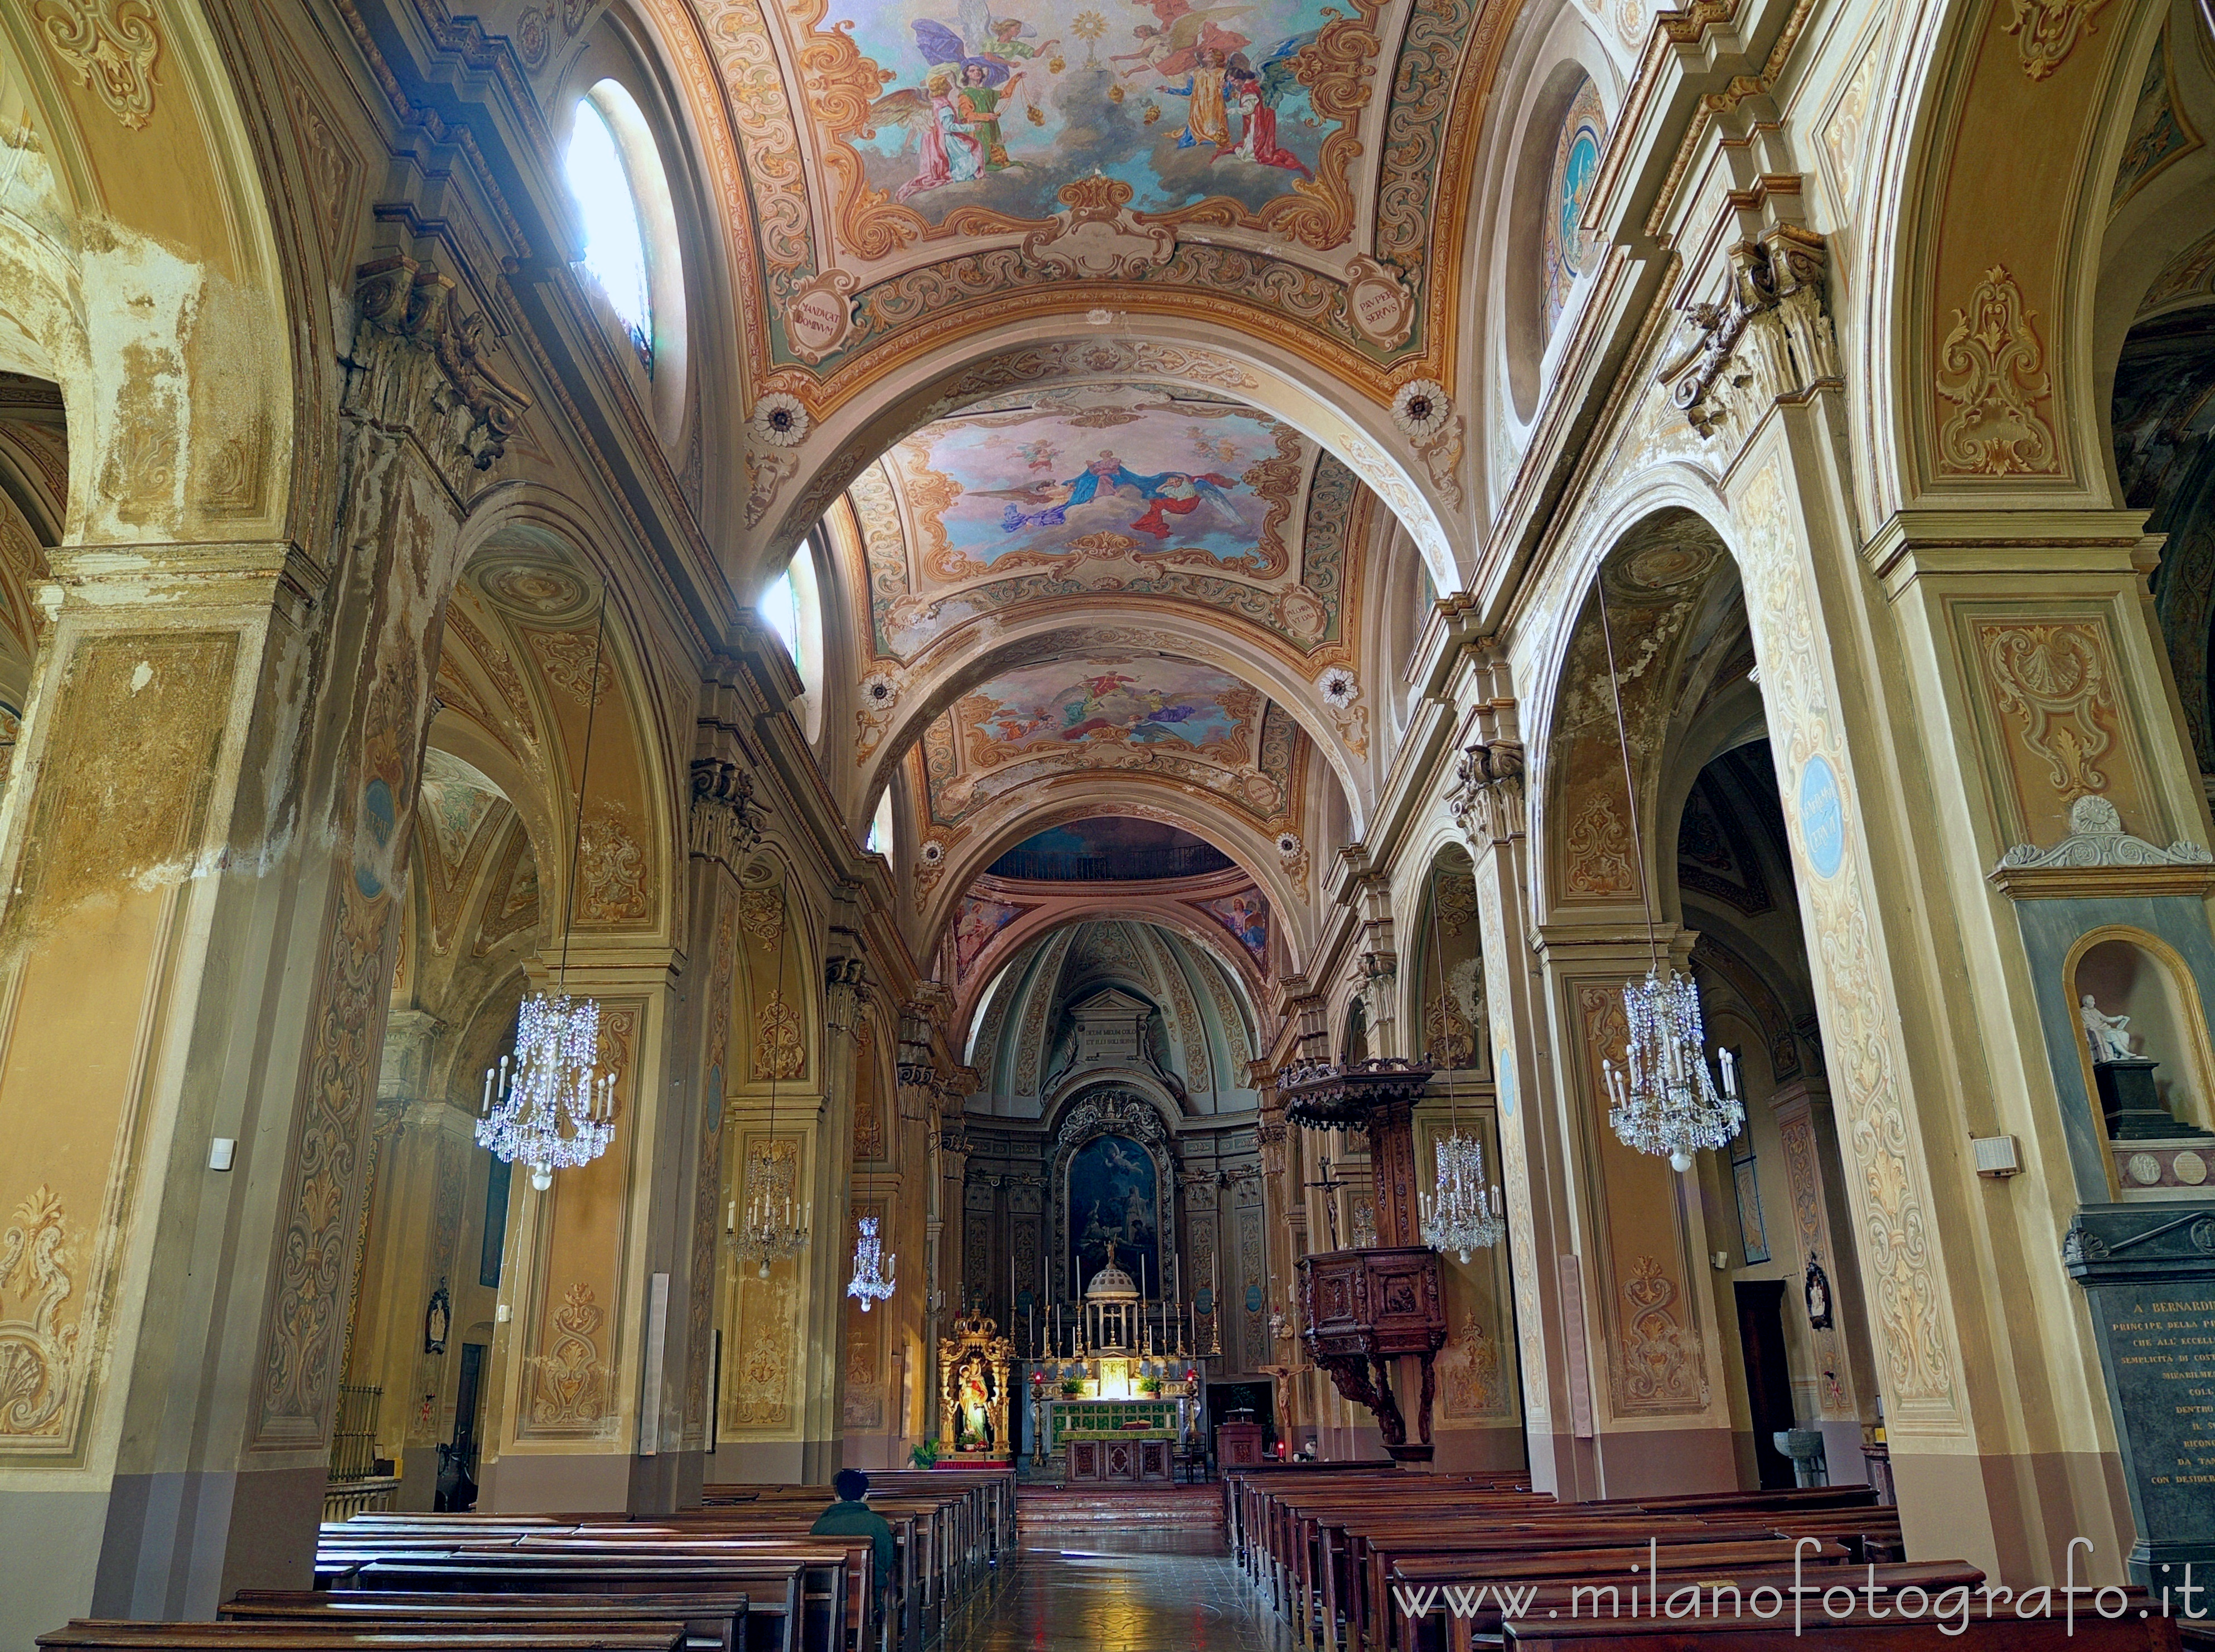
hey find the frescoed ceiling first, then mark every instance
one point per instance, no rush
(1063, 497)
(1198, 1039)
(1294, 159)
(1175, 728)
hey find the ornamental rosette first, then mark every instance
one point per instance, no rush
(780, 419)
(1421, 410)
(1340, 688)
(880, 690)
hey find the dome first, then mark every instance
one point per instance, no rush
(1111, 1281)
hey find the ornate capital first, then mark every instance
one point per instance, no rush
(1486, 799)
(421, 365)
(842, 993)
(1770, 337)
(725, 821)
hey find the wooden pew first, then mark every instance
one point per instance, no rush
(96, 1634)
(820, 1623)
(711, 1623)
(1861, 1631)
(1552, 1599)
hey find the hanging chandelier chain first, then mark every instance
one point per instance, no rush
(548, 1104)
(584, 779)
(1630, 787)
(1662, 1099)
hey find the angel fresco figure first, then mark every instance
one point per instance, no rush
(1181, 494)
(1207, 120)
(949, 155)
(1255, 97)
(1173, 48)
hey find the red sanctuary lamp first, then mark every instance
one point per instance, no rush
(1371, 1310)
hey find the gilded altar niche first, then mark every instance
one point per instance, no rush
(118, 812)
(572, 1343)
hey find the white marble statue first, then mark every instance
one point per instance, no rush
(2109, 1041)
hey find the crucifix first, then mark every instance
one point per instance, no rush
(1331, 1184)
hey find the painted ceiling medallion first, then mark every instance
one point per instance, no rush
(780, 419)
(540, 589)
(1421, 410)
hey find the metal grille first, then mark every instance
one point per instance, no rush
(353, 1442)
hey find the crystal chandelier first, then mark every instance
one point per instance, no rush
(1666, 1101)
(770, 1233)
(873, 1269)
(556, 1109)
(1462, 1215)
(1465, 1215)
(1662, 1099)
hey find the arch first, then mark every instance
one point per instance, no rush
(1129, 1106)
(145, 273)
(1111, 793)
(1154, 906)
(1973, 309)
(1670, 573)
(537, 588)
(1052, 348)
(1023, 640)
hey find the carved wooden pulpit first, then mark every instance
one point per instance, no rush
(1361, 1309)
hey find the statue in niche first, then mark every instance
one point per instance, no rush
(976, 1411)
(2110, 1043)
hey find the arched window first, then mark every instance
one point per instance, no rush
(792, 607)
(615, 234)
(1576, 163)
(880, 829)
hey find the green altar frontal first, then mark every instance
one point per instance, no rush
(1123, 1419)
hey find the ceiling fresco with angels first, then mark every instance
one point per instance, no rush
(1180, 728)
(992, 115)
(1295, 156)
(1064, 496)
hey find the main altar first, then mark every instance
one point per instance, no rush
(1119, 1392)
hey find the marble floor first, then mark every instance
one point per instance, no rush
(1093, 1591)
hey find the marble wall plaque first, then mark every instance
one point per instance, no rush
(2149, 1277)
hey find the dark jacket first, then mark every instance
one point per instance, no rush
(856, 1519)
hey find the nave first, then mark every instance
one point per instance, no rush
(1320, 1557)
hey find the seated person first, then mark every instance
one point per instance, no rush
(851, 1517)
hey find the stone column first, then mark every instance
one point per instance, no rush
(202, 852)
(1488, 805)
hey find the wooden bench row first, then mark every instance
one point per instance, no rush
(745, 1575)
(1370, 1559)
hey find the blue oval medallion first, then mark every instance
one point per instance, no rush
(1822, 817)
